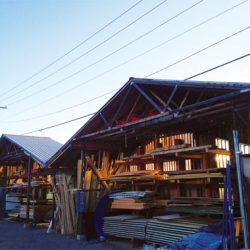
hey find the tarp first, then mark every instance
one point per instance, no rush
(198, 241)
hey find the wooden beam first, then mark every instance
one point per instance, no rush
(170, 97)
(28, 190)
(218, 151)
(192, 156)
(150, 100)
(90, 164)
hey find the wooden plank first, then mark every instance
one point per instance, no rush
(79, 173)
(218, 151)
(190, 149)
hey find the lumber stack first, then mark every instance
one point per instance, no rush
(65, 219)
(136, 176)
(126, 226)
(93, 190)
(13, 204)
(196, 205)
(134, 200)
(165, 229)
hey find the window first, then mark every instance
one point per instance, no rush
(133, 168)
(169, 166)
(244, 148)
(150, 166)
(188, 165)
(222, 160)
(222, 143)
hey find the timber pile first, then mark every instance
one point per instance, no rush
(179, 149)
(126, 226)
(195, 174)
(65, 217)
(135, 200)
(136, 176)
(165, 229)
(174, 147)
(197, 205)
(92, 189)
(13, 203)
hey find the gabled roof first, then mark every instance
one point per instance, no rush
(153, 98)
(41, 149)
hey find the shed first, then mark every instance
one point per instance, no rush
(23, 165)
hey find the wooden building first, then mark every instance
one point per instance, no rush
(168, 136)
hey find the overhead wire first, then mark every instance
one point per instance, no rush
(59, 124)
(198, 52)
(219, 66)
(73, 49)
(186, 79)
(90, 50)
(107, 56)
(64, 109)
(166, 67)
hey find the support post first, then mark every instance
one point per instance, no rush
(241, 189)
(28, 191)
(54, 200)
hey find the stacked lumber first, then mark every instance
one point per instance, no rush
(164, 149)
(92, 191)
(195, 174)
(13, 204)
(65, 217)
(37, 211)
(135, 176)
(126, 226)
(134, 200)
(168, 229)
(179, 149)
(22, 213)
(197, 205)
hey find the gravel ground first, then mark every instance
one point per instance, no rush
(13, 235)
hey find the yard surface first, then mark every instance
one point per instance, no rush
(13, 235)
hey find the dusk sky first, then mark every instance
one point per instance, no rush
(60, 60)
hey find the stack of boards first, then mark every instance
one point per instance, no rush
(125, 226)
(168, 229)
(161, 229)
(132, 200)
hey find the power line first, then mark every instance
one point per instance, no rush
(59, 124)
(136, 57)
(81, 117)
(107, 56)
(126, 62)
(64, 109)
(198, 52)
(73, 49)
(90, 50)
(219, 66)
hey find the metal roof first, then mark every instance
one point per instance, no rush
(112, 105)
(41, 149)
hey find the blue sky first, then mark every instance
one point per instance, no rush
(36, 32)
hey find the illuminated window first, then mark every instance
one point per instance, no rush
(170, 141)
(150, 166)
(221, 193)
(222, 143)
(169, 166)
(244, 148)
(222, 160)
(188, 164)
(149, 147)
(133, 168)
